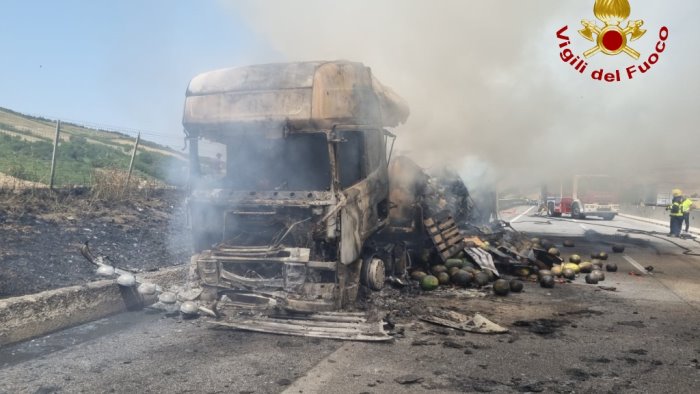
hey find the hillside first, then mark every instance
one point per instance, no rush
(26, 148)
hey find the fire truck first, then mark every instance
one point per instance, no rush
(585, 195)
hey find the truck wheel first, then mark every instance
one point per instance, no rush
(576, 212)
(608, 217)
(373, 274)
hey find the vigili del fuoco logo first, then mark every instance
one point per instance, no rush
(611, 39)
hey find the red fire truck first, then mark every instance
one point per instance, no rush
(587, 195)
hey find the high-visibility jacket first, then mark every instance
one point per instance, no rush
(676, 208)
(686, 204)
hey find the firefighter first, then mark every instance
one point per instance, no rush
(686, 205)
(676, 213)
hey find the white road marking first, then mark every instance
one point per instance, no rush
(522, 214)
(635, 264)
(316, 379)
(583, 227)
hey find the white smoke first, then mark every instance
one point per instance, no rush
(486, 85)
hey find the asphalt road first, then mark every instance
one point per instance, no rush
(642, 337)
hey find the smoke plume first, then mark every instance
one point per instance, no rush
(488, 89)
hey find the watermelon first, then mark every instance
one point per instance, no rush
(523, 272)
(556, 270)
(418, 275)
(462, 278)
(547, 281)
(611, 267)
(429, 283)
(599, 274)
(501, 287)
(443, 278)
(591, 280)
(574, 258)
(452, 271)
(481, 279)
(451, 263)
(568, 273)
(586, 267)
(516, 286)
(573, 267)
(436, 269)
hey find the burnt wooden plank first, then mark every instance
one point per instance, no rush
(446, 224)
(450, 233)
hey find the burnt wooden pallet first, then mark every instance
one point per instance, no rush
(445, 236)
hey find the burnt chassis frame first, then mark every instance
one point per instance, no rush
(352, 216)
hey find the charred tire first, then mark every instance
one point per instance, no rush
(373, 273)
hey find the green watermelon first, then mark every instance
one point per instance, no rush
(482, 279)
(443, 278)
(501, 287)
(568, 273)
(547, 281)
(436, 269)
(462, 278)
(429, 283)
(452, 271)
(451, 263)
(516, 286)
(418, 275)
(591, 279)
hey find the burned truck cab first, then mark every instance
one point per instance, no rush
(283, 217)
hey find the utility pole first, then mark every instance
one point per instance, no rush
(53, 156)
(131, 164)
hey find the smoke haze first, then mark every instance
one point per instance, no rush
(487, 88)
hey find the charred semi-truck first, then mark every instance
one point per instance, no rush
(290, 216)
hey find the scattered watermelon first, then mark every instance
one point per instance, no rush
(501, 287)
(429, 283)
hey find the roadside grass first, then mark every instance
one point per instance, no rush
(77, 159)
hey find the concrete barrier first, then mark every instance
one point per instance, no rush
(33, 315)
(658, 215)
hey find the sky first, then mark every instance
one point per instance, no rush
(484, 79)
(124, 64)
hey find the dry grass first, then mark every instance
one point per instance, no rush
(111, 185)
(107, 187)
(8, 182)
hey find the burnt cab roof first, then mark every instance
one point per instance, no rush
(309, 96)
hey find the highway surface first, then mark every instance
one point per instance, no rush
(640, 337)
